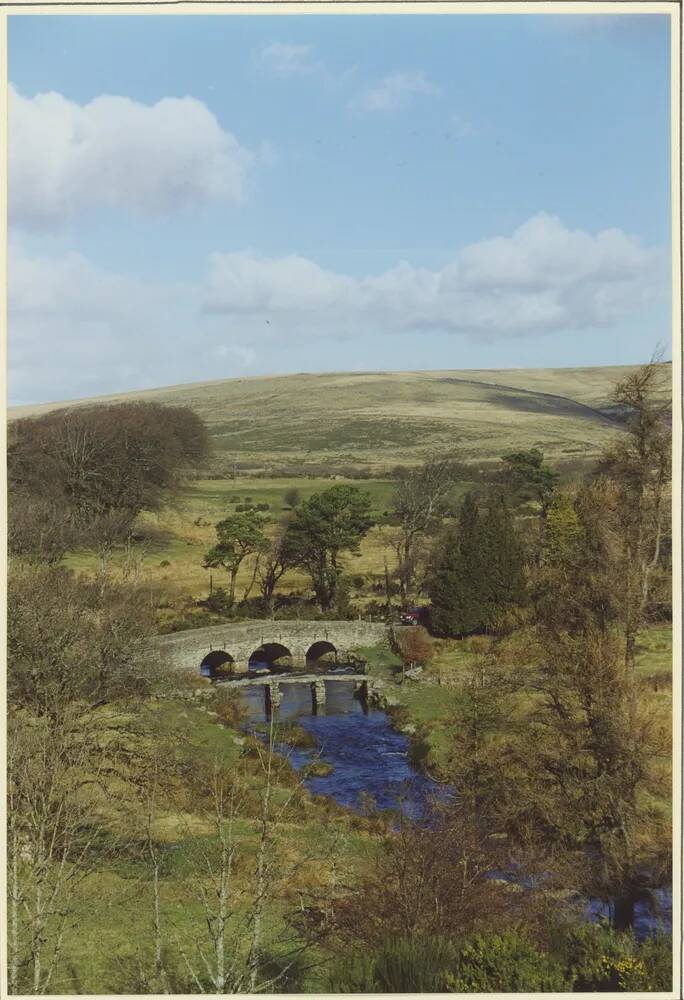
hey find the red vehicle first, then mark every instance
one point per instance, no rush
(414, 616)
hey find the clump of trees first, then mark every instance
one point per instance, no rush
(478, 574)
(76, 647)
(314, 536)
(82, 475)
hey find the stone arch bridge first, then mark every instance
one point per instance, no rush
(240, 645)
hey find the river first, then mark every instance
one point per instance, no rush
(369, 758)
(371, 766)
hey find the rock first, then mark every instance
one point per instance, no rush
(319, 769)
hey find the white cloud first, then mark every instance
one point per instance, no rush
(76, 329)
(542, 278)
(64, 157)
(286, 59)
(395, 92)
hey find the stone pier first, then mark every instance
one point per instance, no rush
(317, 695)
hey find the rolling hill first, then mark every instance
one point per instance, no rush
(375, 420)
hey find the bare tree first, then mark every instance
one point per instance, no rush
(420, 501)
(51, 832)
(640, 467)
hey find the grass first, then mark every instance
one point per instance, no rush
(111, 925)
(175, 540)
(375, 420)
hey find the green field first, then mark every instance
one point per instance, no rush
(373, 421)
(176, 538)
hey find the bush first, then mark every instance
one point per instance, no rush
(291, 497)
(399, 965)
(505, 963)
(413, 965)
(599, 959)
(218, 602)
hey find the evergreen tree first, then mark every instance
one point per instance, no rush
(457, 586)
(480, 571)
(502, 559)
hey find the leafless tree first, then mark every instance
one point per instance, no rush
(420, 501)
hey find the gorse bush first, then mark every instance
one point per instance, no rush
(505, 963)
(597, 958)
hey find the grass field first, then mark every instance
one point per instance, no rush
(431, 702)
(375, 420)
(180, 534)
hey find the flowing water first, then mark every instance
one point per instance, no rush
(369, 758)
(371, 766)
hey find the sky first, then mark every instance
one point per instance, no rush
(205, 197)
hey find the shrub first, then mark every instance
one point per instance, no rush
(291, 497)
(599, 959)
(413, 965)
(218, 602)
(505, 963)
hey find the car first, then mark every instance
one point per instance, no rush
(414, 616)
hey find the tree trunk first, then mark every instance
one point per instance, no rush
(231, 591)
(623, 913)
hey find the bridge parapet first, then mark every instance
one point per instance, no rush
(239, 640)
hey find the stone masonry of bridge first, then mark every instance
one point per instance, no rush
(186, 650)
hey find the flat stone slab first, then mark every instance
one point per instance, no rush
(269, 679)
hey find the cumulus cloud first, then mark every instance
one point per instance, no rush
(395, 92)
(64, 157)
(75, 325)
(286, 59)
(542, 278)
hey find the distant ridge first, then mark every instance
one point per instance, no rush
(375, 420)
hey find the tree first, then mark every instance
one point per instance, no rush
(479, 573)
(323, 527)
(640, 467)
(528, 478)
(587, 762)
(456, 584)
(482, 724)
(238, 537)
(51, 831)
(420, 501)
(279, 556)
(503, 564)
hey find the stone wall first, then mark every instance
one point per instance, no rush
(186, 650)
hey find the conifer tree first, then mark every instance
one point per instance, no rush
(503, 564)
(479, 572)
(457, 586)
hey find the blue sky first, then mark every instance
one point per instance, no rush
(214, 197)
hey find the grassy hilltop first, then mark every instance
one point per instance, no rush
(374, 420)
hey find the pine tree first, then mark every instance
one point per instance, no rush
(503, 564)
(457, 586)
(480, 571)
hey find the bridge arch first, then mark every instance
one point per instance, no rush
(321, 650)
(218, 663)
(271, 654)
